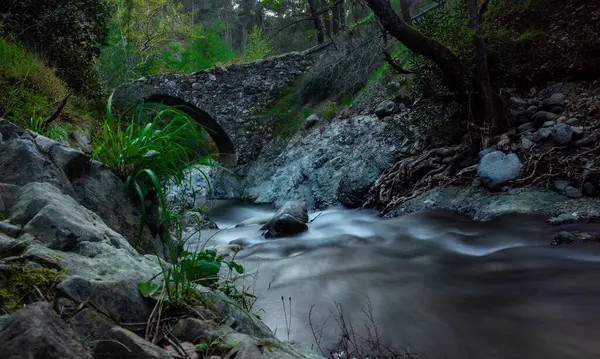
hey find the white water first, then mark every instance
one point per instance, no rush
(437, 281)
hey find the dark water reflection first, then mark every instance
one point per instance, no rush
(436, 281)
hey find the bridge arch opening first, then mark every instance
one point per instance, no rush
(224, 144)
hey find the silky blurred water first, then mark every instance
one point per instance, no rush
(435, 281)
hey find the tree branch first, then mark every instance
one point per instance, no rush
(388, 58)
(483, 8)
(58, 110)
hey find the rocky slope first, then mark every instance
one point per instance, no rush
(69, 246)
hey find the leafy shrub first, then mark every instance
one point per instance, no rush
(330, 110)
(258, 46)
(170, 42)
(143, 154)
(67, 34)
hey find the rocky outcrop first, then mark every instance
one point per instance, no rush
(38, 332)
(70, 218)
(324, 166)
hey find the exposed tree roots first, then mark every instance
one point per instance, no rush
(412, 176)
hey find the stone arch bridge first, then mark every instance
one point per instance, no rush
(223, 99)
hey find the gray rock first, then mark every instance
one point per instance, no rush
(353, 190)
(103, 193)
(563, 218)
(284, 225)
(482, 153)
(526, 143)
(556, 99)
(572, 192)
(194, 330)
(557, 110)
(121, 301)
(542, 117)
(36, 331)
(496, 169)
(560, 185)
(517, 103)
(254, 221)
(10, 230)
(574, 121)
(59, 221)
(577, 132)
(123, 344)
(542, 134)
(22, 163)
(74, 163)
(45, 144)
(530, 111)
(529, 126)
(563, 134)
(385, 108)
(248, 347)
(296, 209)
(588, 189)
(88, 323)
(84, 141)
(96, 261)
(10, 247)
(549, 124)
(311, 121)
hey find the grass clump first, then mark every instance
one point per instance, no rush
(27, 87)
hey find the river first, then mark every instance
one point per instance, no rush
(434, 282)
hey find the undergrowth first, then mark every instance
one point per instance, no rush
(31, 91)
(24, 283)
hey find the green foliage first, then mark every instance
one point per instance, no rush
(24, 282)
(27, 87)
(153, 36)
(38, 124)
(330, 110)
(258, 45)
(30, 91)
(143, 154)
(67, 34)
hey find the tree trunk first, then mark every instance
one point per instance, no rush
(405, 7)
(312, 7)
(420, 44)
(486, 106)
(492, 121)
(335, 19)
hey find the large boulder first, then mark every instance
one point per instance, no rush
(58, 221)
(37, 332)
(21, 163)
(121, 300)
(103, 193)
(496, 169)
(290, 219)
(353, 190)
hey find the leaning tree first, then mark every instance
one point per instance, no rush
(488, 117)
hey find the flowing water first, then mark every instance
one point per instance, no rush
(437, 282)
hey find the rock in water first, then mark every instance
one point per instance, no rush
(36, 331)
(385, 108)
(284, 225)
(297, 209)
(496, 169)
